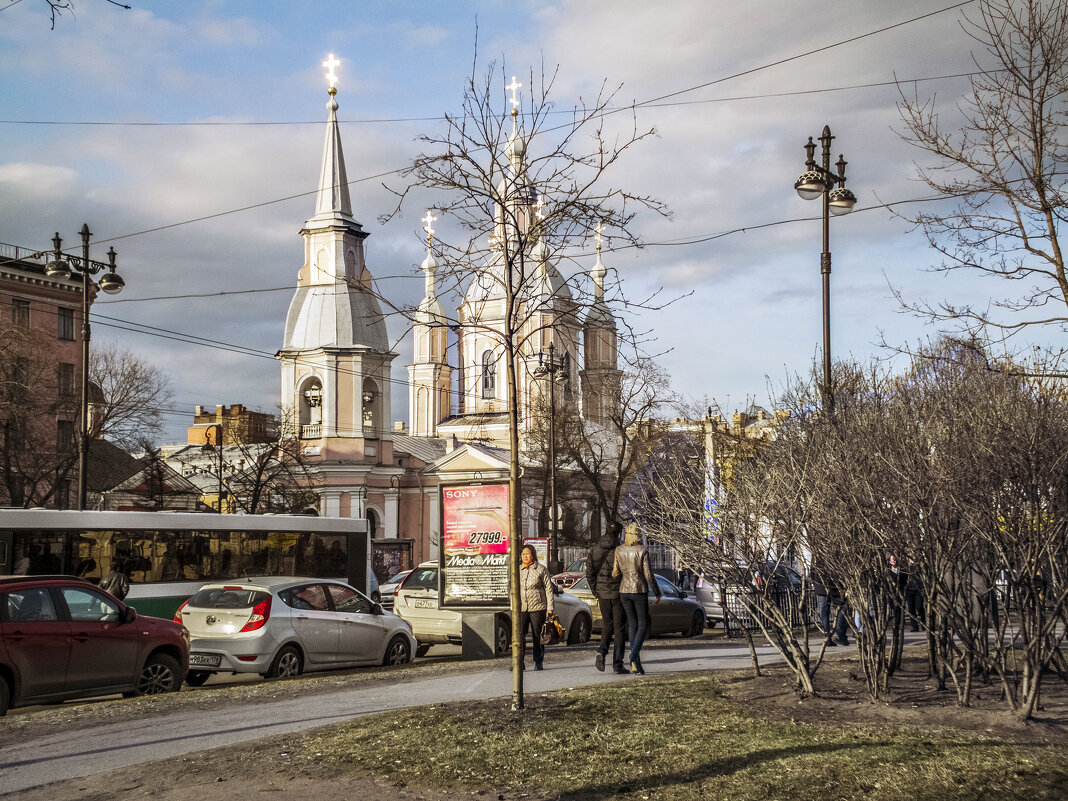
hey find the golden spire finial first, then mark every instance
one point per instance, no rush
(597, 235)
(514, 87)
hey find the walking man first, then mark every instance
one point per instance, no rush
(605, 588)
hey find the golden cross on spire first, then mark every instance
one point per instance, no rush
(331, 64)
(428, 224)
(514, 87)
(539, 208)
(597, 235)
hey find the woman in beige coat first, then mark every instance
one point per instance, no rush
(632, 566)
(536, 601)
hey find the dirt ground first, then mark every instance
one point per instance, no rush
(263, 769)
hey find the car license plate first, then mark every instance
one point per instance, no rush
(424, 604)
(205, 660)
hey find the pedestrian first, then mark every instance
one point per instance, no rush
(605, 588)
(827, 594)
(536, 601)
(116, 582)
(632, 567)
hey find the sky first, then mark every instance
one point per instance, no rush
(189, 136)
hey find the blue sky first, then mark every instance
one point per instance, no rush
(751, 311)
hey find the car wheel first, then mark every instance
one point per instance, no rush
(697, 625)
(161, 674)
(398, 652)
(5, 697)
(287, 663)
(502, 636)
(196, 678)
(580, 630)
(422, 649)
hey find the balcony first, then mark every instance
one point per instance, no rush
(311, 431)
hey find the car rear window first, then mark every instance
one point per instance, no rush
(220, 598)
(422, 578)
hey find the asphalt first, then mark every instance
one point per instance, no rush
(84, 751)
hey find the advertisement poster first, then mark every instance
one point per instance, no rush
(474, 554)
(541, 548)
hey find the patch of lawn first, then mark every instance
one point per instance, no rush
(679, 738)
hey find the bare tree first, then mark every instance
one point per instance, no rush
(132, 394)
(537, 187)
(60, 7)
(269, 476)
(1006, 166)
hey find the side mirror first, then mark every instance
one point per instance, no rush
(129, 614)
(684, 594)
(378, 609)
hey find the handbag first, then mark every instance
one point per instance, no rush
(552, 631)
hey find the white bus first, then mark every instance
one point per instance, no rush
(168, 556)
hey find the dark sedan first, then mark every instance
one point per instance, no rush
(676, 612)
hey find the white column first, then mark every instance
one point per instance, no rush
(330, 503)
(390, 516)
(435, 523)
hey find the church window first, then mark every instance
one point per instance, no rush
(489, 375)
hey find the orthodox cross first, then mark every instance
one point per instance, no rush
(428, 224)
(514, 87)
(331, 64)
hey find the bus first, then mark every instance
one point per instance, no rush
(168, 556)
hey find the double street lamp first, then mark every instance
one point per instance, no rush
(63, 267)
(819, 181)
(550, 366)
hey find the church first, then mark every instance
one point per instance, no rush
(336, 373)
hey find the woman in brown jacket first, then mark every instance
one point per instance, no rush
(632, 566)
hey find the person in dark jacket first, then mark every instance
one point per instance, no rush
(826, 592)
(605, 588)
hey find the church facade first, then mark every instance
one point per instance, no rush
(336, 365)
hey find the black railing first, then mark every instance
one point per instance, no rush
(743, 607)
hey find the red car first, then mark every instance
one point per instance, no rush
(575, 571)
(62, 637)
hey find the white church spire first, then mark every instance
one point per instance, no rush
(333, 195)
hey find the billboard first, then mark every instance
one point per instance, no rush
(474, 545)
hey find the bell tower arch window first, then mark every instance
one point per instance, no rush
(489, 375)
(310, 406)
(372, 403)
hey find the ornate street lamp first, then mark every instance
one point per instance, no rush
(218, 448)
(63, 267)
(819, 181)
(549, 365)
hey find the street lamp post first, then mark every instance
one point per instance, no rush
(64, 267)
(550, 367)
(219, 448)
(819, 181)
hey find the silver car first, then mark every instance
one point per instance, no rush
(417, 602)
(281, 626)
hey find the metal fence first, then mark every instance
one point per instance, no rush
(746, 608)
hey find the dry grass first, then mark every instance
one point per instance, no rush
(680, 738)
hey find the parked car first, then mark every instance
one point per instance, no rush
(417, 602)
(281, 626)
(676, 612)
(708, 594)
(389, 588)
(62, 637)
(574, 572)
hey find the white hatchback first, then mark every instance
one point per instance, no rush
(416, 601)
(281, 626)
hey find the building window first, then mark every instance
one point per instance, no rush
(65, 379)
(66, 324)
(20, 313)
(489, 375)
(65, 436)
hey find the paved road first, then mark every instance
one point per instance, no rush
(94, 749)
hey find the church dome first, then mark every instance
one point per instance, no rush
(334, 316)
